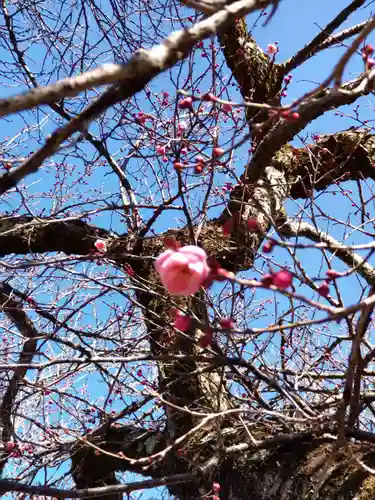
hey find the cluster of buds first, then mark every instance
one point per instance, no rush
(17, 451)
(199, 165)
(281, 279)
(286, 114)
(232, 224)
(323, 289)
(141, 118)
(367, 52)
(160, 149)
(287, 81)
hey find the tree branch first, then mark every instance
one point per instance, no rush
(106, 492)
(142, 67)
(346, 255)
(24, 235)
(13, 309)
(283, 131)
(311, 48)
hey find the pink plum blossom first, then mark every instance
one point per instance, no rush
(160, 149)
(181, 126)
(182, 271)
(216, 487)
(272, 48)
(101, 246)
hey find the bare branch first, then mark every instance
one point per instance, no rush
(312, 47)
(143, 67)
(8, 486)
(348, 256)
(13, 309)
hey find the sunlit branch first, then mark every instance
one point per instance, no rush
(346, 255)
(312, 47)
(8, 486)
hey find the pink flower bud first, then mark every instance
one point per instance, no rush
(282, 279)
(160, 149)
(186, 103)
(332, 274)
(129, 270)
(323, 290)
(10, 446)
(288, 79)
(217, 152)
(227, 107)
(267, 247)
(181, 126)
(289, 116)
(367, 50)
(141, 118)
(206, 340)
(227, 323)
(182, 322)
(253, 225)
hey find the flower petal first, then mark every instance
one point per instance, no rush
(162, 258)
(194, 251)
